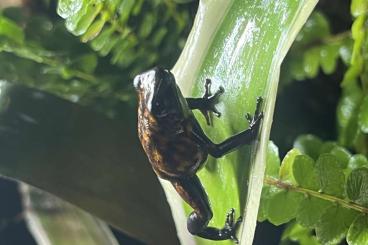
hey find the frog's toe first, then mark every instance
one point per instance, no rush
(231, 226)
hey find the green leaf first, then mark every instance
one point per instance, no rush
(286, 169)
(93, 8)
(94, 30)
(334, 224)
(125, 9)
(86, 63)
(311, 62)
(358, 231)
(226, 35)
(342, 155)
(299, 234)
(359, 7)
(11, 30)
(303, 172)
(263, 205)
(347, 114)
(283, 207)
(328, 57)
(330, 176)
(309, 144)
(273, 160)
(357, 186)
(357, 161)
(67, 8)
(327, 147)
(316, 27)
(310, 211)
(363, 115)
(149, 22)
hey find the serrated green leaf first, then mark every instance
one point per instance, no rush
(363, 115)
(334, 224)
(330, 176)
(308, 144)
(358, 231)
(283, 206)
(357, 186)
(303, 172)
(273, 160)
(67, 8)
(310, 211)
(11, 30)
(286, 169)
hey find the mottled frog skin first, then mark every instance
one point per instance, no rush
(177, 147)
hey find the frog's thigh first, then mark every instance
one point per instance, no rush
(192, 192)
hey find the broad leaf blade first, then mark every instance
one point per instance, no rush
(239, 45)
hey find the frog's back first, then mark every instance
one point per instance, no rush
(171, 149)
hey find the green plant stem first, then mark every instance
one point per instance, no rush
(289, 187)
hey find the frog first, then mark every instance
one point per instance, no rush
(177, 147)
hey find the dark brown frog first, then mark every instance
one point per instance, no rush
(177, 147)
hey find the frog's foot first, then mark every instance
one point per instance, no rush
(231, 226)
(255, 121)
(210, 100)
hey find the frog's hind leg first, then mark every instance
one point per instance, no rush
(191, 190)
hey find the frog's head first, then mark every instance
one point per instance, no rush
(156, 89)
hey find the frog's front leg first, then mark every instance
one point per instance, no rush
(235, 141)
(207, 103)
(192, 192)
